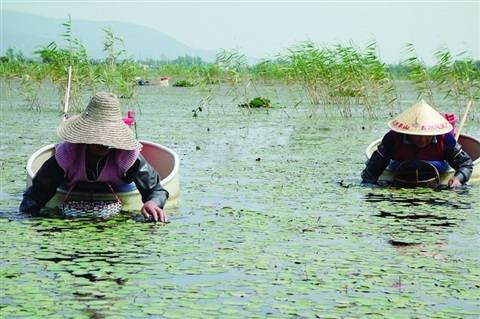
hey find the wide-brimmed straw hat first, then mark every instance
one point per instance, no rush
(101, 123)
(420, 119)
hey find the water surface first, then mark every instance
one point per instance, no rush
(272, 222)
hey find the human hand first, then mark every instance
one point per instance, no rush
(151, 209)
(454, 182)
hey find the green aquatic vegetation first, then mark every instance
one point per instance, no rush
(58, 59)
(117, 72)
(456, 77)
(279, 270)
(451, 78)
(183, 83)
(341, 76)
(272, 223)
(419, 74)
(257, 102)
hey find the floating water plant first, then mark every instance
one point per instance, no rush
(257, 102)
(183, 83)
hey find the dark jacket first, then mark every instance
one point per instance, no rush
(50, 176)
(452, 154)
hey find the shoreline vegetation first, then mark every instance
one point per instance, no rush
(345, 76)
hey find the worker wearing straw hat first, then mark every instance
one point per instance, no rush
(419, 133)
(97, 146)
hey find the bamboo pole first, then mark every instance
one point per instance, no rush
(67, 93)
(457, 134)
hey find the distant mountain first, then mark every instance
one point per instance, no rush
(29, 32)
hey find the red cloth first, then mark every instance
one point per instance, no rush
(408, 151)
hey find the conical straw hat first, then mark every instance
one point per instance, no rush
(101, 123)
(420, 119)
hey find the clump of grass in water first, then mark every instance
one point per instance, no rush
(456, 78)
(58, 59)
(183, 83)
(342, 76)
(114, 73)
(419, 74)
(257, 102)
(117, 73)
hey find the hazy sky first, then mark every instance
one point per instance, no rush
(264, 28)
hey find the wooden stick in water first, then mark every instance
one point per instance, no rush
(457, 134)
(67, 93)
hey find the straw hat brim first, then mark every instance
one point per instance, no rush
(82, 129)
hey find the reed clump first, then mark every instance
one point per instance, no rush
(343, 76)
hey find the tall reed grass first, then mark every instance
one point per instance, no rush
(342, 78)
(455, 78)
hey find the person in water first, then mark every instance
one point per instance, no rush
(97, 146)
(419, 133)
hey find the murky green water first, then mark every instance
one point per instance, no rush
(272, 222)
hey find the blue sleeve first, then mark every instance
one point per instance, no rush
(449, 142)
